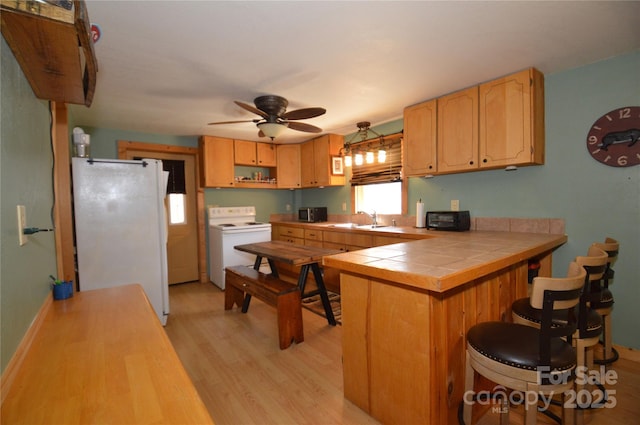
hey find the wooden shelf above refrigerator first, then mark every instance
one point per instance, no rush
(54, 48)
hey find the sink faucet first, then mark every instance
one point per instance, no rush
(374, 217)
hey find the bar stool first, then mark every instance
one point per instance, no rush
(589, 327)
(525, 358)
(602, 300)
(589, 321)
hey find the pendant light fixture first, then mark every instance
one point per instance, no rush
(358, 157)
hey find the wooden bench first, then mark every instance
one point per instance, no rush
(243, 282)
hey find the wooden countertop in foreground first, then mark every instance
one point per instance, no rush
(102, 357)
(448, 260)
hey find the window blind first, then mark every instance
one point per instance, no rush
(388, 171)
(176, 182)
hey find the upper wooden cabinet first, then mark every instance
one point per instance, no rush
(216, 161)
(257, 154)
(292, 162)
(266, 154)
(54, 48)
(492, 125)
(512, 120)
(458, 131)
(288, 170)
(316, 161)
(419, 156)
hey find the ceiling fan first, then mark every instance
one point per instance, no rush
(274, 118)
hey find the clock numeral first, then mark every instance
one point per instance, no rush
(625, 113)
(592, 140)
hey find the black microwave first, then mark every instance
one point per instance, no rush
(312, 215)
(449, 220)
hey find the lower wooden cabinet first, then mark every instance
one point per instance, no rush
(289, 234)
(313, 237)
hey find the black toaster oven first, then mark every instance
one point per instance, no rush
(457, 221)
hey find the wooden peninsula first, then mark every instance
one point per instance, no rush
(406, 309)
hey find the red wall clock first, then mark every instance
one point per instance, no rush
(614, 139)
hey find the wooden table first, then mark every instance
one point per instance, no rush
(101, 356)
(307, 257)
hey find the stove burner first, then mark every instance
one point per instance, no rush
(253, 223)
(227, 225)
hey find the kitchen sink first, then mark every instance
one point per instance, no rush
(357, 226)
(346, 225)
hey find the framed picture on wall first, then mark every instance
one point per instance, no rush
(337, 166)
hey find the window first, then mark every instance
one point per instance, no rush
(383, 198)
(177, 208)
(377, 184)
(177, 191)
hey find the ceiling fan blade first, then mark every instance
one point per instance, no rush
(232, 122)
(300, 126)
(304, 113)
(251, 109)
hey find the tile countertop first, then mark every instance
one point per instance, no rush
(445, 260)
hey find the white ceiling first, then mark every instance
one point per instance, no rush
(171, 67)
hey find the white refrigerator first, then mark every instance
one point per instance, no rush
(121, 230)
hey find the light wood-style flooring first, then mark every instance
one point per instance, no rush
(244, 378)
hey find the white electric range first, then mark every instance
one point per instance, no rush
(228, 227)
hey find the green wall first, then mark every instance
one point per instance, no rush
(25, 179)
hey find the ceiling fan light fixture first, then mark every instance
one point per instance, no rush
(271, 129)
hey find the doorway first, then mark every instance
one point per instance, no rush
(183, 247)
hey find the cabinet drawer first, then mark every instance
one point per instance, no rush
(335, 237)
(294, 232)
(311, 242)
(359, 240)
(334, 245)
(315, 235)
(388, 240)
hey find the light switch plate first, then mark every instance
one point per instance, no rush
(455, 205)
(22, 223)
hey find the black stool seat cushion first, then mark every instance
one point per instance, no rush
(594, 325)
(523, 309)
(518, 346)
(603, 298)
